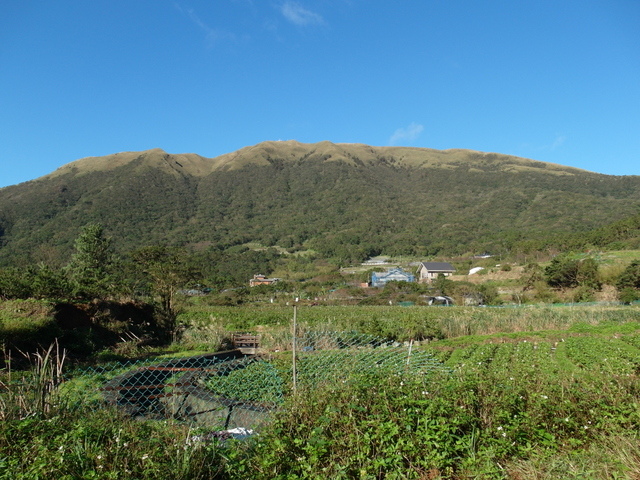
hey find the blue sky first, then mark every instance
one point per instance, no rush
(557, 81)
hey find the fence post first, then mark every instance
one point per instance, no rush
(295, 334)
(409, 354)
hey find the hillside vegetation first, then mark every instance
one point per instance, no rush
(343, 201)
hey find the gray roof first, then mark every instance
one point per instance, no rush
(438, 266)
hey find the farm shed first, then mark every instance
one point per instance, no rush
(380, 279)
(429, 271)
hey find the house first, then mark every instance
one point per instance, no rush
(429, 271)
(380, 279)
(259, 279)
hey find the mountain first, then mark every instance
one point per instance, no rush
(345, 200)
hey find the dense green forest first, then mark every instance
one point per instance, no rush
(343, 202)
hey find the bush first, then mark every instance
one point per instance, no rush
(630, 277)
(565, 272)
(583, 294)
(628, 295)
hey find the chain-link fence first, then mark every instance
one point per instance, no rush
(234, 389)
(330, 356)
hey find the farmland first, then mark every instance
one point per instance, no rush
(523, 392)
(400, 323)
(509, 410)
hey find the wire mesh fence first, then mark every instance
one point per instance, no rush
(235, 389)
(331, 356)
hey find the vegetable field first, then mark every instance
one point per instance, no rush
(531, 393)
(561, 405)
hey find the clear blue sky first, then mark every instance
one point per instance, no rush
(557, 81)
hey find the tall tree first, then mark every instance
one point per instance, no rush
(91, 265)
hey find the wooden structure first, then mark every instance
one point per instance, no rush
(248, 344)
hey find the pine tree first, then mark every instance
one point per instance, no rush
(91, 266)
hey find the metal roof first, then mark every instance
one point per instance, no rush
(438, 266)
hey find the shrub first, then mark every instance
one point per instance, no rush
(630, 277)
(565, 272)
(628, 295)
(583, 294)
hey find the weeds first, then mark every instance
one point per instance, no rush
(33, 392)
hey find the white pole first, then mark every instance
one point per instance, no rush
(295, 333)
(410, 347)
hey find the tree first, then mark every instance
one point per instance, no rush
(489, 293)
(14, 283)
(531, 276)
(167, 271)
(630, 277)
(47, 282)
(565, 272)
(442, 284)
(588, 274)
(561, 272)
(91, 266)
(628, 295)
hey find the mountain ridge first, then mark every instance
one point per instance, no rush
(337, 199)
(259, 154)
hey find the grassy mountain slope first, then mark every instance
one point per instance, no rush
(341, 199)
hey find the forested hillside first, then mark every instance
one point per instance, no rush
(343, 201)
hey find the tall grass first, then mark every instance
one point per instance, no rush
(32, 392)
